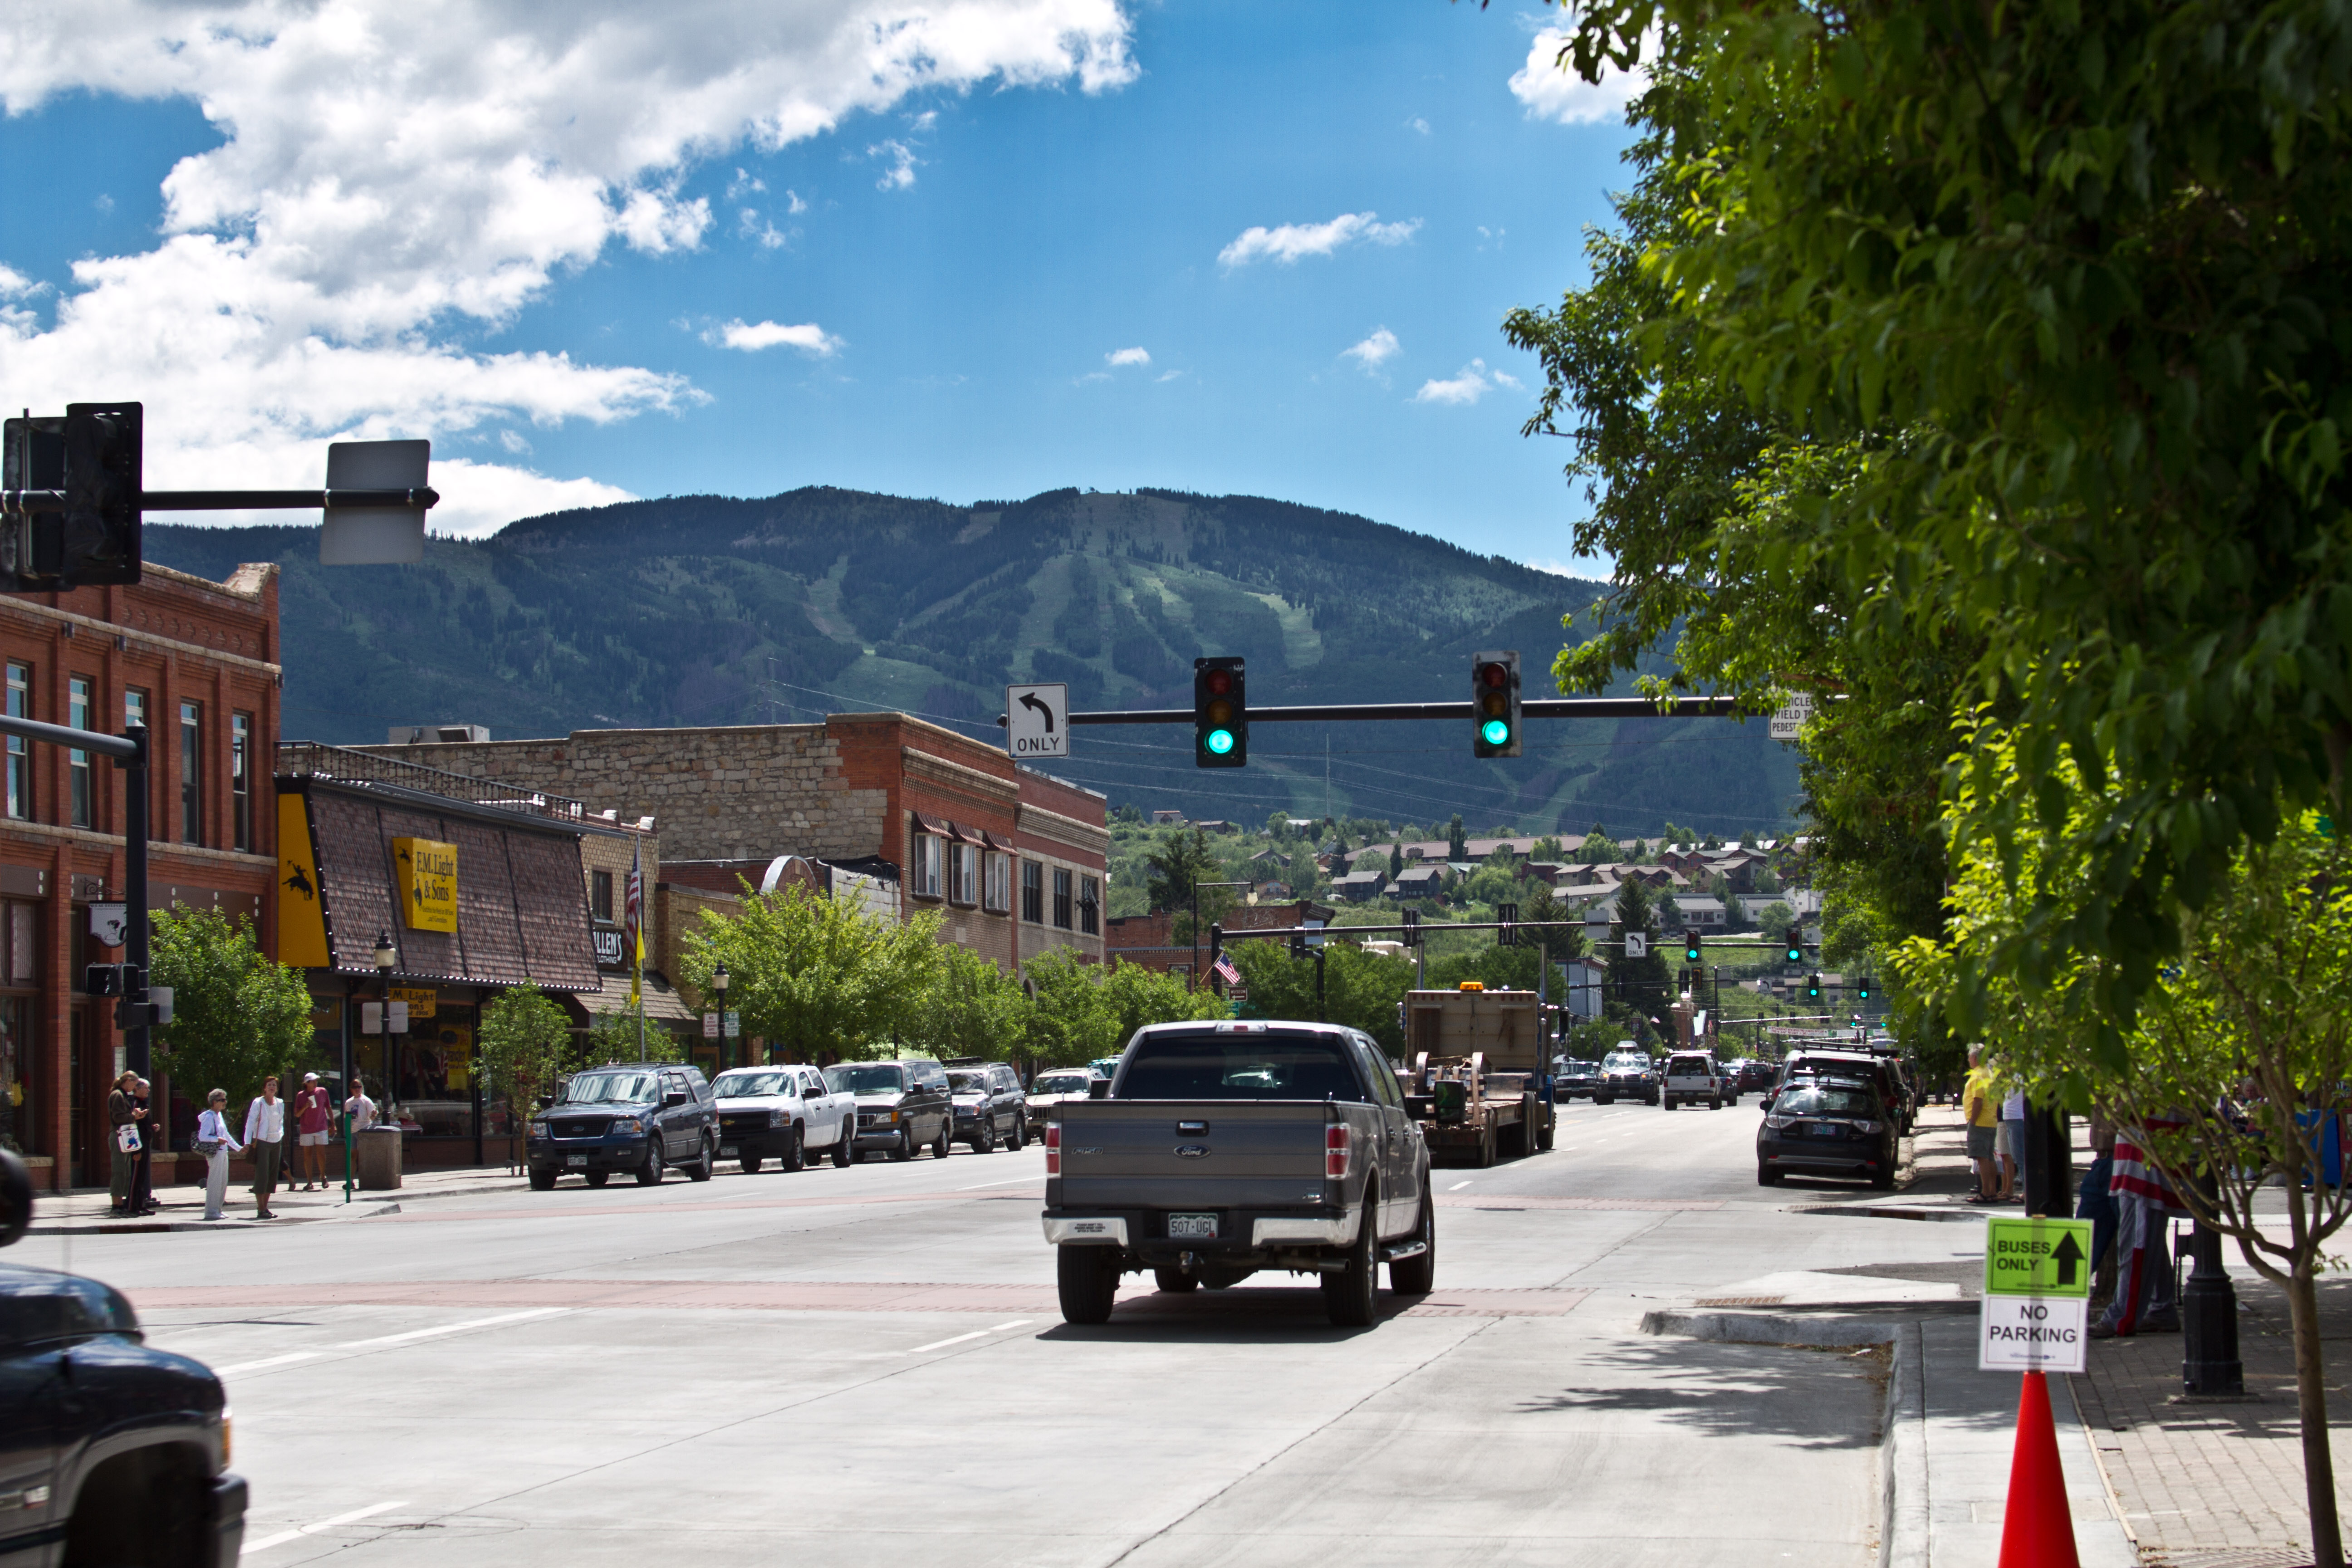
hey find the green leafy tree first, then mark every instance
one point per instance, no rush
(1457, 842)
(1361, 989)
(1128, 997)
(1178, 868)
(813, 975)
(237, 1015)
(971, 1008)
(523, 1041)
(1396, 859)
(1776, 919)
(614, 1034)
(1639, 984)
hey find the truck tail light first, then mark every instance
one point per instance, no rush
(1334, 1152)
(1053, 1148)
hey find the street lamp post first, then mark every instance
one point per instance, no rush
(718, 989)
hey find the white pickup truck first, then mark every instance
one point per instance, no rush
(1691, 1076)
(785, 1113)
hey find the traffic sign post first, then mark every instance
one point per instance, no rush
(1038, 721)
(2037, 1295)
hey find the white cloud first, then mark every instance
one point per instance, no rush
(1127, 356)
(1554, 91)
(1287, 243)
(1373, 351)
(744, 183)
(903, 163)
(753, 336)
(1417, 123)
(1473, 382)
(752, 226)
(396, 176)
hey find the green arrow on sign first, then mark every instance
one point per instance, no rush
(2027, 1256)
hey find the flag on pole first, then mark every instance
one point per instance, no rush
(1225, 966)
(633, 916)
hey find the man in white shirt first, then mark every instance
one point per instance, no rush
(359, 1108)
(265, 1134)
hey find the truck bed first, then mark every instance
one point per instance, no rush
(1191, 1154)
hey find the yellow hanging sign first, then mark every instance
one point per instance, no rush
(426, 875)
(423, 1000)
(301, 905)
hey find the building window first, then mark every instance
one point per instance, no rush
(1089, 906)
(926, 869)
(600, 894)
(191, 772)
(996, 883)
(77, 780)
(1032, 892)
(20, 760)
(1061, 899)
(240, 779)
(964, 874)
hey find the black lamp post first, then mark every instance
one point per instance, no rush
(386, 956)
(718, 990)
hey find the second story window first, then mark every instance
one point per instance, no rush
(240, 779)
(1089, 907)
(1061, 897)
(20, 760)
(191, 772)
(926, 872)
(996, 883)
(1032, 892)
(78, 778)
(963, 886)
(600, 894)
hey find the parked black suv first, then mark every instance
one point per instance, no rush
(635, 1117)
(109, 1452)
(901, 1105)
(989, 1106)
(1827, 1126)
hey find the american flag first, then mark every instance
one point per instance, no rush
(633, 916)
(1225, 967)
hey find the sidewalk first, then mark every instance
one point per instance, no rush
(83, 1210)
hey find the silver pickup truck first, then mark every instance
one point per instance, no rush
(1217, 1150)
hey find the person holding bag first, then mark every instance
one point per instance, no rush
(125, 1136)
(214, 1142)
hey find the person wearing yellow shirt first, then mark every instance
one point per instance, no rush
(1981, 1106)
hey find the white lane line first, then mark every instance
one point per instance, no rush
(273, 1361)
(978, 1186)
(1457, 1186)
(942, 1344)
(283, 1536)
(457, 1328)
(1007, 1327)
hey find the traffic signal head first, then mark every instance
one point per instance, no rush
(1796, 951)
(1812, 988)
(1220, 713)
(1862, 990)
(93, 456)
(1494, 704)
(1691, 948)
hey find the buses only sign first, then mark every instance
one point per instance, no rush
(2037, 1290)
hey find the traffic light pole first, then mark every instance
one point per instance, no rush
(1351, 713)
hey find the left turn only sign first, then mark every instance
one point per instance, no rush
(1038, 721)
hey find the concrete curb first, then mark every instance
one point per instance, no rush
(1903, 1438)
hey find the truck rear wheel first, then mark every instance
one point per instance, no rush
(1416, 1275)
(1087, 1279)
(1350, 1295)
(1550, 1129)
(1486, 1142)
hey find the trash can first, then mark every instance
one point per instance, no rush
(378, 1157)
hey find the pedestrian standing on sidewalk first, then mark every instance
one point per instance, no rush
(214, 1142)
(1976, 1105)
(122, 1112)
(2011, 1144)
(314, 1111)
(265, 1132)
(2144, 1206)
(142, 1170)
(359, 1107)
(2096, 1204)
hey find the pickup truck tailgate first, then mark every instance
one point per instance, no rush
(1212, 1155)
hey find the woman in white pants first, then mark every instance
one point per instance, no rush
(214, 1142)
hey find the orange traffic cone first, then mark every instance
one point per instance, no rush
(2038, 1529)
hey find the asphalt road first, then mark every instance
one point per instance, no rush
(865, 1365)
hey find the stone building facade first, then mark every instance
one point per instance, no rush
(1012, 860)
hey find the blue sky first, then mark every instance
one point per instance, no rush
(780, 263)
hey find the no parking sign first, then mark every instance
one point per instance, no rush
(2037, 1295)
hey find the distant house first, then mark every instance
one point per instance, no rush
(1269, 857)
(1358, 887)
(1214, 825)
(1166, 819)
(1418, 882)
(1274, 890)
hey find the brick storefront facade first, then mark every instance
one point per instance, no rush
(1012, 860)
(197, 661)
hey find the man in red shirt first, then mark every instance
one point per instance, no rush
(314, 1113)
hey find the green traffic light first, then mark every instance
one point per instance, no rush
(1219, 742)
(1495, 732)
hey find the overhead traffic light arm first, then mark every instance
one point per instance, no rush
(1348, 712)
(233, 500)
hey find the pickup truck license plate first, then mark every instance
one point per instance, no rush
(727, 1150)
(575, 1158)
(1192, 1226)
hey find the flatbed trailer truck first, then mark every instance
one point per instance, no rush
(1480, 1083)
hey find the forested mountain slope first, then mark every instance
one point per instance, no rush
(707, 610)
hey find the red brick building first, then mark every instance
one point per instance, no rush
(195, 661)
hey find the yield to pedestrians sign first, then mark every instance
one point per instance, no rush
(2037, 1289)
(1038, 721)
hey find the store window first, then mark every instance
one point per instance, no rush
(1061, 899)
(20, 760)
(1032, 892)
(78, 778)
(928, 868)
(19, 1086)
(996, 883)
(1089, 906)
(600, 894)
(964, 874)
(191, 772)
(240, 779)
